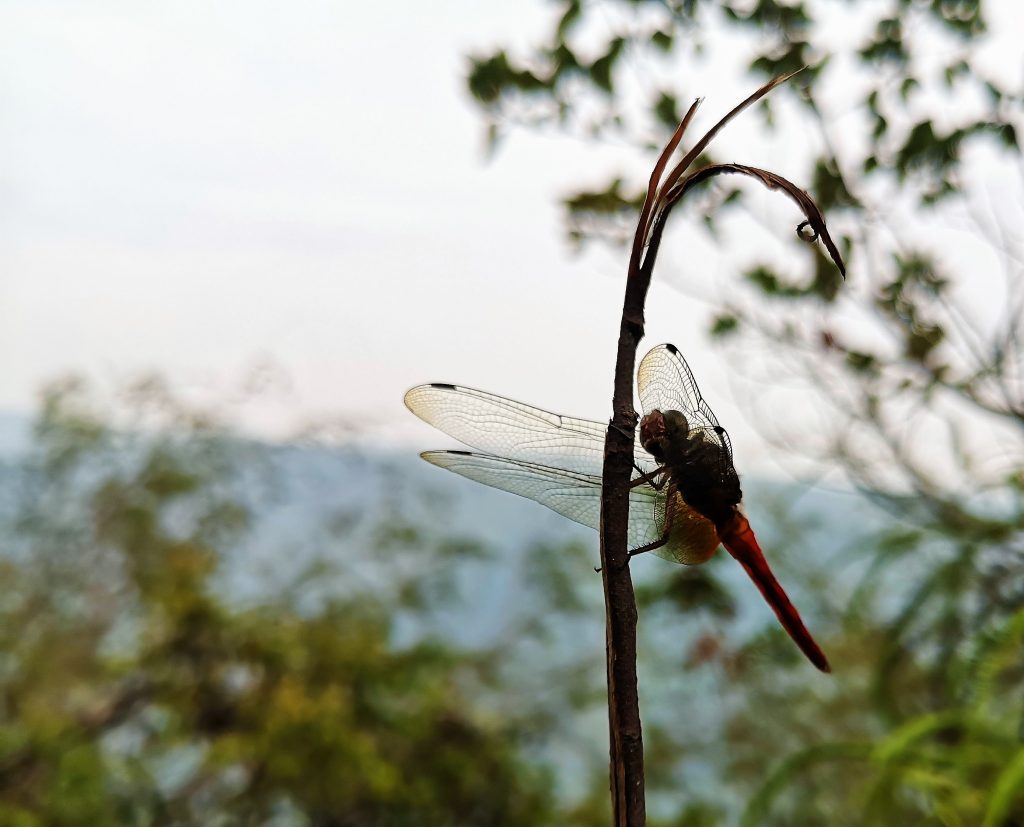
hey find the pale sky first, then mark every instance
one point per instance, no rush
(206, 189)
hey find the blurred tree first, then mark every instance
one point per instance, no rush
(135, 690)
(910, 376)
(139, 689)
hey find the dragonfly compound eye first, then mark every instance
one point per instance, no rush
(676, 424)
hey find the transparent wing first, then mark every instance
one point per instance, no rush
(665, 383)
(571, 494)
(509, 429)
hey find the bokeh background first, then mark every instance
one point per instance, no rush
(234, 234)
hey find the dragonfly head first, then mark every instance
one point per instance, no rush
(659, 429)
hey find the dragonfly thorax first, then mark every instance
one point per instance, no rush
(700, 468)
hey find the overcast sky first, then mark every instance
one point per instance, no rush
(211, 188)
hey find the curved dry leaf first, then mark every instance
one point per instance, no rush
(772, 181)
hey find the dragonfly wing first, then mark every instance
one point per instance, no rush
(665, 383)
(569, 493)
(503, 427)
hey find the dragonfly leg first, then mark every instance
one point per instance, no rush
(657, 485)
(633, 552)
(670, 513)
(630, 433)
(599, 569)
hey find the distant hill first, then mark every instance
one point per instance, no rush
(15, 433)
(323, 504)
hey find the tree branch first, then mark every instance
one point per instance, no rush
(663, 193)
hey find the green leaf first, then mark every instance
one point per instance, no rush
(829, 188)
(902, 739)
(955, 70)
(601, 69)
(1007, 787)
(860, 362)
(663, 40)
(756, 811)
(908, 85)
(963, 17)
(724, 324)
(1007, 133)
(492, 77)
(792, 57)
(569, 18)
(666, 110)
(886, 45)
(765, 279)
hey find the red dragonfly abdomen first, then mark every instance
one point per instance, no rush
(738, 538)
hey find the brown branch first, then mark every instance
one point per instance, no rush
(626, 743)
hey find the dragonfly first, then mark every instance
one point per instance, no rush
(684, 496)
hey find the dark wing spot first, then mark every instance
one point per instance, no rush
(672, 349)
(442, 385)
(461, 453)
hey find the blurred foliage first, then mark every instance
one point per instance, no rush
(136, 691)
(913, 64)
(138, 688)
(910, 380)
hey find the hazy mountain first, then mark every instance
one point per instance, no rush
(321, 504)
